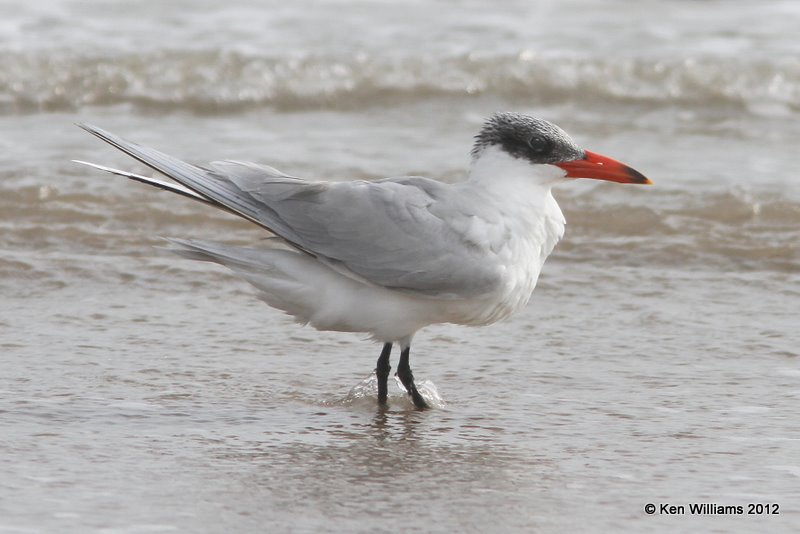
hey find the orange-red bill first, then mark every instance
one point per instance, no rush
(600, 167)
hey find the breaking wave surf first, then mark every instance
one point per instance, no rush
(223, 81)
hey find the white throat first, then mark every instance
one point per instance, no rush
(494, 168)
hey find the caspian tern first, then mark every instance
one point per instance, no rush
(389, 257)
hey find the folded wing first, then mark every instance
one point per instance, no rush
(407, 234)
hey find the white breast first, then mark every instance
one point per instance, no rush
(530, 225)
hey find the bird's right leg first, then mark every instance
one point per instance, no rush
(382, 372)
(407, 378)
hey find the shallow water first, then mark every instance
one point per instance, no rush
(657, 362)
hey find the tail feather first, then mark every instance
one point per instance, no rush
(275, 272)
(233, 257)
(173, 188)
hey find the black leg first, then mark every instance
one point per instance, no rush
(382, 372)
(407, 378)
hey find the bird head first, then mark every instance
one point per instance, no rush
(539, 142)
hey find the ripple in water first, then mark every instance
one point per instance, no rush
(365, 394)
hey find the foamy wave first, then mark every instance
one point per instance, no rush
(213, 82)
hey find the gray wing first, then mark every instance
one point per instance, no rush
(408, 234)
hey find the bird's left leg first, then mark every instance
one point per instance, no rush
(407, 378)
(382, 372)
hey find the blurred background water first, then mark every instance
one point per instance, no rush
(657, 362)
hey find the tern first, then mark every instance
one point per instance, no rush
(391, 256)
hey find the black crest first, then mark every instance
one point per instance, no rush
(522, 136)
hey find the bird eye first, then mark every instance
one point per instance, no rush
(538, 145)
